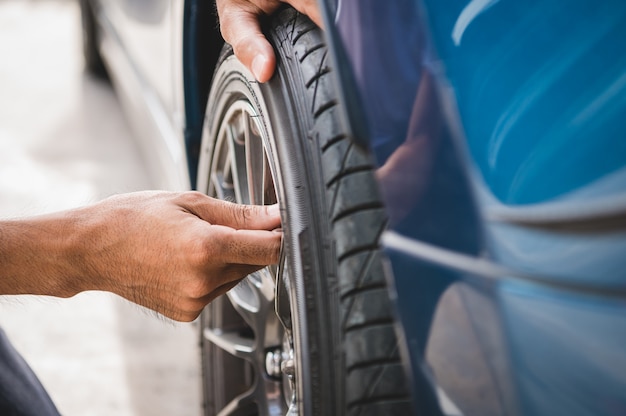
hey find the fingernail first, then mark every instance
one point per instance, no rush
(258, 65)
(273, 210)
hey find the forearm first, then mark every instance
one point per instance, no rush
(37, 256)
(170, 252)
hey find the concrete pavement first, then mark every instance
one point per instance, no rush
(64, 142)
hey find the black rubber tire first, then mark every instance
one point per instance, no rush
(94, 64)
(332, 220)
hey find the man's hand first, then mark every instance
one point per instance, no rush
(239, 24)
(170, 252)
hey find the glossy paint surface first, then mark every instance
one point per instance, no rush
(541, 90)
(498, 127)
(145, 30)
(140, 41)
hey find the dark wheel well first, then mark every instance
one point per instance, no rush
(94, 64)
(202, 44)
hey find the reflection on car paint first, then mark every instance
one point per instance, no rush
(498, 128)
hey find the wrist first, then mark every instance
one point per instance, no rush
(42, 255)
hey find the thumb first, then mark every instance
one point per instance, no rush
(251, 217)
(229, 214)
(241, 29)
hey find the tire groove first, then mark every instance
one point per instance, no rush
(361, 276)
(310, 51)
(362, 289)
(373, 385)
(325, 107)
(356, 250)
(371, 246)
(315, 114)
(293, 24)
(336, 192)
(334, 140)
(333, 201)
(352, 299)
(374, 322)
(301, 34)
(322, 71)
(372, 363)
(345, 158)
(358, 208)
(348, 172)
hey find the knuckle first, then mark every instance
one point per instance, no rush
(191, 197)
(240, 214)
(196, 252)
(245, 214)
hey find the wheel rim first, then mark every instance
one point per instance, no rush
(249, 330)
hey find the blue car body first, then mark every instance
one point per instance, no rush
(500, 132)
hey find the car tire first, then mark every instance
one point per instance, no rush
(316, 331)
(91, 54)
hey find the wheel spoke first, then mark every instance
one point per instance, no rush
(238, 161)
(223, 189)
(221, 175)
(251, 301)
(217, 179)
(235, 407)
(255, 161)
(231, 342)
(265, 395)
(281, 299)
(269, 193)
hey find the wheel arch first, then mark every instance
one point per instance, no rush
(202, 43)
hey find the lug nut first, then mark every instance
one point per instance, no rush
(273, 363)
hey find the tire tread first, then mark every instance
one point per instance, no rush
(370, 344)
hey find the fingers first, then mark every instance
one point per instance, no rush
(240, 27)
(214, 211)
(256, 53)
(249, 247)
(251, 217)
(186, 304)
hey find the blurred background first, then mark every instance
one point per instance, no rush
(64, 143)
